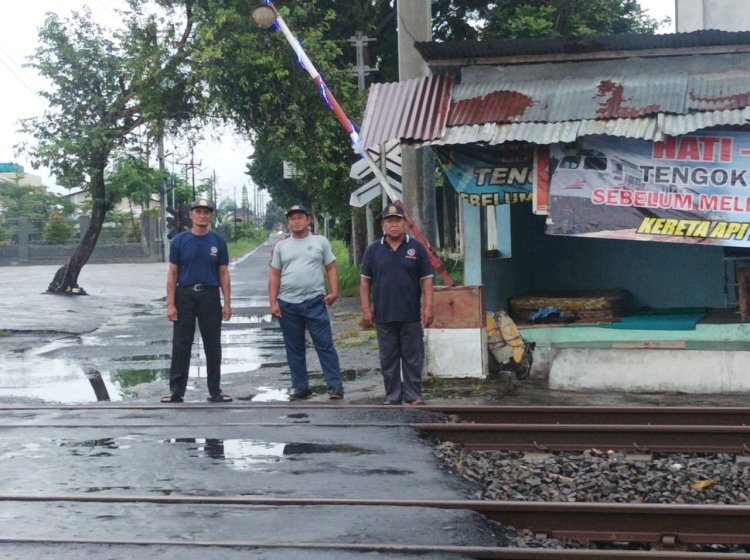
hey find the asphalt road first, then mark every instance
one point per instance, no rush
(54, 444)
(119, 331)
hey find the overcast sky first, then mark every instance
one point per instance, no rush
(18, 99)
(18, 85)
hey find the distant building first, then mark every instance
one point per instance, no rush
(14, 173)
(78, 198)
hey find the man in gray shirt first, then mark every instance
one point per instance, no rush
(297, 296)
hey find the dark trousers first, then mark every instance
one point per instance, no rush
(401, 349)
(205, 307)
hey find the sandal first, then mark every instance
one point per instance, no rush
(171, 399)
(220, 397)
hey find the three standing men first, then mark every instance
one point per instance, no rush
(198, 269)
(397, 271)
(297, 296)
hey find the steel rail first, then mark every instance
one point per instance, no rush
(683, 415)
(289, 424)
(234, 406)
(606, 522)
(695, 416)
(497, 553)
(579, 437)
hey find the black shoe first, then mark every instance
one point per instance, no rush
(219, 397)
(336, 395)
(300, 394)
(171, 399)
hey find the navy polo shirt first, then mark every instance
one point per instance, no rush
(198, 258)
(396, 278)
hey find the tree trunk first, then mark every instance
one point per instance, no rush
(65, 280)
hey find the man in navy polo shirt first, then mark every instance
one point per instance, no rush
(198, 269)
(397, 272)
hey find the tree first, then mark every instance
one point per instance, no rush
(255, 80)
(274, 215)
(34, 203)
(103, 87)
(565, 18)
(133, 179)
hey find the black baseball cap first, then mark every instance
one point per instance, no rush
(296, 208)
(202, 203)
(393, 210)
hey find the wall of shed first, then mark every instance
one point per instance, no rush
(657, 275)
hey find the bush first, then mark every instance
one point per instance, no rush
(348, 273)
(57, 230)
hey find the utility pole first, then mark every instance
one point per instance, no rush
(361, 70)
(417, 164)
(192, 165)
(162, 199)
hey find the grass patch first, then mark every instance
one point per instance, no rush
(348, 273)
(241, 247)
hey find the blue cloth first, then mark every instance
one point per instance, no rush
(310, 315)
(659, 322)
(396, 279)
(198, 257)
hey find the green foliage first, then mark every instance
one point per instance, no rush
(348, 273)
(57, 230)
(274, 216)
(565, 18)
(242, 247)
(133, 179)
(101, 88)
(34, 203)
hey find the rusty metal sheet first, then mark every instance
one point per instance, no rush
(415, 109)
(458, 307)
(559, 102)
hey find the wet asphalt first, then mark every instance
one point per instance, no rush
(58, 440)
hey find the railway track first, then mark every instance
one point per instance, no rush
(636, 429)
(656, 524)
(665, 527)
(544, 429)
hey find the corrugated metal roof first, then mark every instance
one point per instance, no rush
(648, 128)
(415, 110)
(552, 102)
(433, 52)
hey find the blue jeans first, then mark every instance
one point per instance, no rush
(310, 315)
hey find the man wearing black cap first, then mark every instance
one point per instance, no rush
(297, 296)
(198, 269)
(396, 271)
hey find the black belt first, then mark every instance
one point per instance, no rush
(198, 287)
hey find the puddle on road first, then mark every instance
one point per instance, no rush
(269, 394)
(251, 320)
(243, 454)
(34, 375)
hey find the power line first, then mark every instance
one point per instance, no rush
(12, 71)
